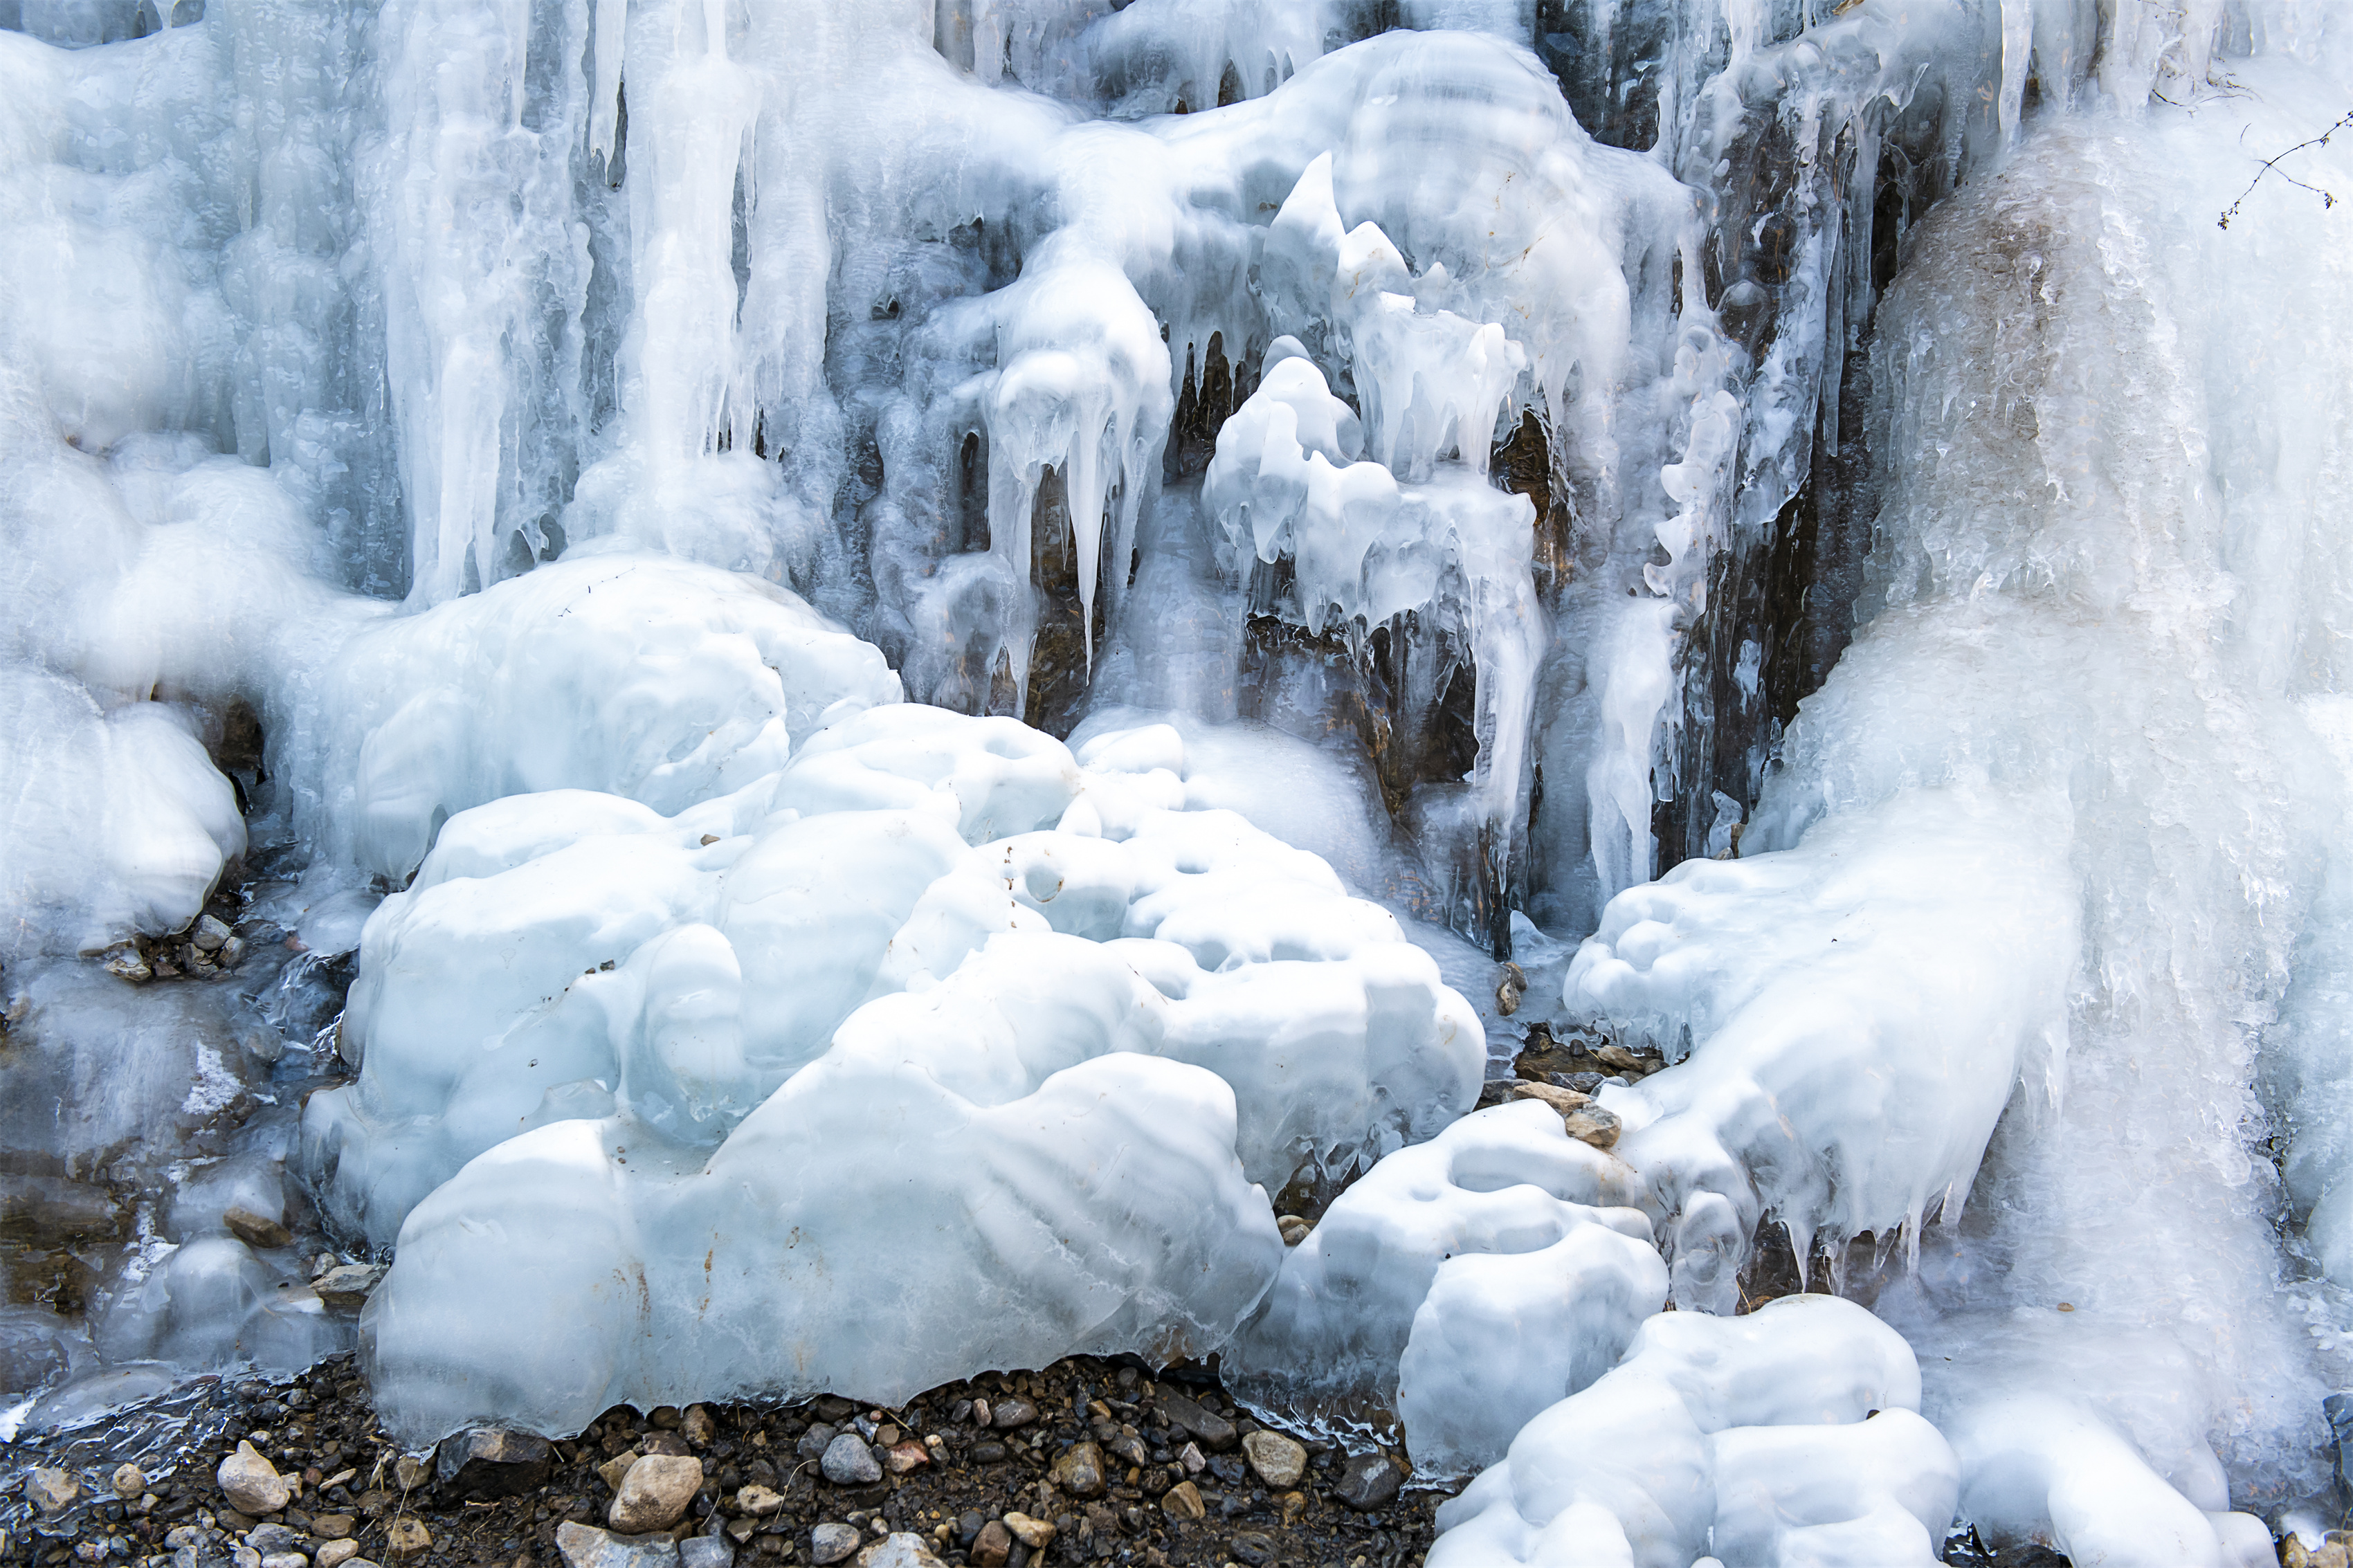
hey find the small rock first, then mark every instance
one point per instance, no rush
(1183, 1500)
(848, 1463)
(1012, 1413)
(613, 1470)
(411, 1471)
(124, 963)
(981, 1412)
(1252, 1549)
(129, 1481)
(697, 1426)
(900, 1550)
(231, 953)
(1190, 1458)
(1624, 1060)
(245, 1556)
(1216, 1433)
(758, 1501)
(1293, 1228)
(832, 1542)
(490, 1462)
(336, 1553)
(1279, 1461)
(348, 1284)
(654, 1493)
(268, 1538)
(901, 1458)
(887, 1435)
(251, 1483)
(992, 1546)
(284, 1559)
(990, 1453)
(51, 1491)
(586, 1546)
(1564, 1101)
(834, 1408)
(1368, 1481)
(1294, 1508)
(814, 1441)
(332, 1526)
(706, 1552)
(1034, 1533)
(407, 1537)
(1593, 1124)
(1080, 1471)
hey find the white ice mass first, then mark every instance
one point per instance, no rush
(802, 695)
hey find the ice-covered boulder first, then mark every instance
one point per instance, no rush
(1849, 1014)
(1790, 1435)
(1460, 1285)
(660, 679)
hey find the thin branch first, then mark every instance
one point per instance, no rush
(2271, 166)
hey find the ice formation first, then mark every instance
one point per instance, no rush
(648, 648)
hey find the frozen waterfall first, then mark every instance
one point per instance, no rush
(1610, 736)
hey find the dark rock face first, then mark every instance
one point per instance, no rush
(491, 1463)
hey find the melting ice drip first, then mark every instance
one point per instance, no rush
(567, 436)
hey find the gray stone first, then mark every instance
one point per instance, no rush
(586, 1546)
(129, 1481)
(1213, 1431)
(900, 1550)
(655, 1493)
(1251, 1549)
(829, 1544)
(337, 1552)
(706, 1552)
(815, 1441)
(1009, 1412)
(270, 1538)
(209, 935)
(348, 1284)
(51, 1491)
(1279, 1461)
(490, 1462)
(284, 1559)
(848, 1462)
(251, 1483)
(1595, 1125)
(1368, 1481)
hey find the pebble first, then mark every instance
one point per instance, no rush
(1183, 1500)
(269, 1539)
(1368, 1481)
(905, 1457)
(1251, 1549)
(1079, 1470)
(611, 1471)
(1593, 1124)
(51, 1491)
(902, 1550)
(1293, 1228)
(654, 1493)
(1033, 1533)
(1190, 1458)
(586, 1546)
(490, 1462)
(251, 1483)
(706, 1552)
(992, 1546)
(1213, 1431)
(815, 1441)
(254, 1229)
(332, 1526)
(411, 1472)
(1011, 1413)
(336, 1553)
(128, 1481)
(348, 1284)
(285, 1559)
(848, 1463)
(759, 1501)
(697, 1426)
(1279, 1461)
(831, 1542)
(407, 1537)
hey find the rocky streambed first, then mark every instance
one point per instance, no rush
(1084, 1462)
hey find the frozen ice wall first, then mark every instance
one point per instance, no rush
(620, 616)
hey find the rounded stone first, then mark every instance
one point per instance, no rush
(251, 1483)
(847, 1462)
(1277, 1460)
(655, 1493)
(407, 1538)
(830, 1543)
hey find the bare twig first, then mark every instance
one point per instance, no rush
(2270, 165)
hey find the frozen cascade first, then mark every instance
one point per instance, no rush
(675, 638)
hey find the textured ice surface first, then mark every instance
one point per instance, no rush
(1460, 1285)
(930, 978)
(1789, 1436)
(1850, 1016)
